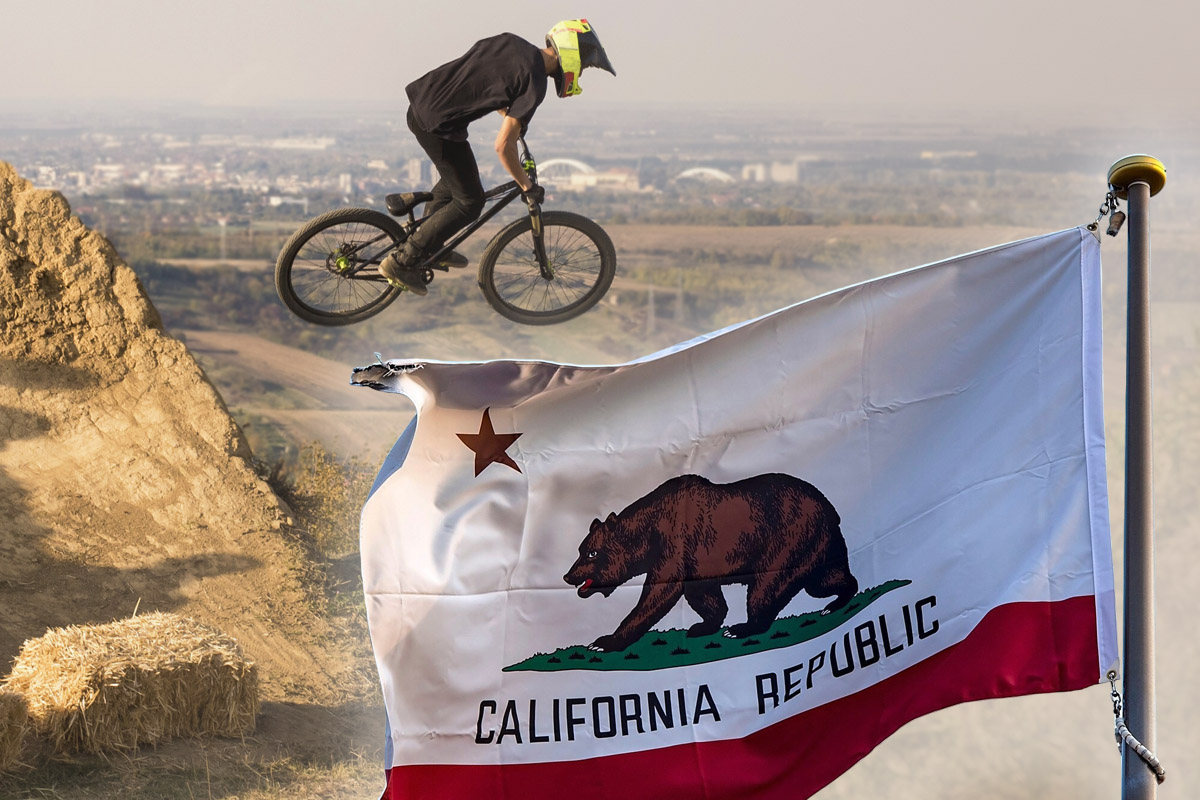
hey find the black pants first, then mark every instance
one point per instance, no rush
(458, 194)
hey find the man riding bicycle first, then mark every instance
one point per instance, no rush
(503, 73)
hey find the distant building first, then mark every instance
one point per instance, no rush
(785, 171)
(618, 179)
(76, 180)
(754, 173)
(108, 174)
(276, 200)
(705, 174)
(303, 143)
(168, 173)
(416, 172)
(45, 177)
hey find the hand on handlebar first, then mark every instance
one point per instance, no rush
(534, 195)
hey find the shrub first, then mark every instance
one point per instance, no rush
(327, 494)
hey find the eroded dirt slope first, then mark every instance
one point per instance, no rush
(123, 480)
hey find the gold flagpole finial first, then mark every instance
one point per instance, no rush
(1131, 169)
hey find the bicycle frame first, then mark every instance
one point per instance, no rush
(503, 194)
(506, 193)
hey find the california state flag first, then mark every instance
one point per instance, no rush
(732, 568)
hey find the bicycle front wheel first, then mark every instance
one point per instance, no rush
(328, 272)
(582, 260)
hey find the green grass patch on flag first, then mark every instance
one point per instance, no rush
(672, 648)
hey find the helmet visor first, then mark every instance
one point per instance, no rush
(591, 52)
(576, 45)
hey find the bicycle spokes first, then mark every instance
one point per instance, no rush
(328, 272)
(560, 275)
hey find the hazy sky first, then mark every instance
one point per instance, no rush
(1089, 61)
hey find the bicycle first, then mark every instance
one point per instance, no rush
(543, 268)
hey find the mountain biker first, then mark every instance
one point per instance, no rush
(502, 73)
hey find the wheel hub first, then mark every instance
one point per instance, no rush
(339, 260)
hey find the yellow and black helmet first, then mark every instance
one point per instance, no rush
(577, 46)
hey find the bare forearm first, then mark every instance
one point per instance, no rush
(512, 164)
(506, 151)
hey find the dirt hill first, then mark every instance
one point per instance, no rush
(124, 483)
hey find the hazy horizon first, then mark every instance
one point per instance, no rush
(1058, 61)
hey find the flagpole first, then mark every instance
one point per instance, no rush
(1136, 178)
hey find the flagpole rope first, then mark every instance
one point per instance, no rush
(1124, 737)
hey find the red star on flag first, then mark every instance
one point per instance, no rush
(489, 446)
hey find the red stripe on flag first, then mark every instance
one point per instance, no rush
(1017, 649)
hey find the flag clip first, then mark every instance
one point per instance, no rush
(1124, 737)
(1109, 208)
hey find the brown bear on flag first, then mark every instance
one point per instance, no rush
(774, 533)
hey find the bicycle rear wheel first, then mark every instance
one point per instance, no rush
(328, 272)
(581, 257)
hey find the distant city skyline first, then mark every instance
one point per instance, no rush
(1058, 60)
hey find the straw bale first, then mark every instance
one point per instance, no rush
(94, 688)
(14, 725)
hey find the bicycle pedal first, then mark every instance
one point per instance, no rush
(454, 260)
(414, 288)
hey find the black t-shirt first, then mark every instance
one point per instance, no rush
(503, 71)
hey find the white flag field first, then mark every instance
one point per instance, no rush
(732, 568)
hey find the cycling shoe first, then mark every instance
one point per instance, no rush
(403, 277)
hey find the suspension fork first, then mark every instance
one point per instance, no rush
(535, 215)
(539, 243)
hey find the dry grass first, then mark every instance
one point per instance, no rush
(98, 688)
(297, 752)
(14, 725)
(327, 494)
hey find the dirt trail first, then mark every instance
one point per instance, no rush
(324, 381)
(349, 421)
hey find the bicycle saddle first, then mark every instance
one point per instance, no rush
(400, 204)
